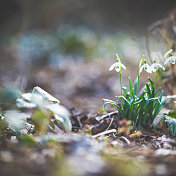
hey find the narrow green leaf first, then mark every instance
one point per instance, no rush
(136, 86)
(122, 97)
(152, 86)
(151, 83)
(125, 91)
(161, 95)
(113, 104)
(131, 87)
(148, 91)
(157, 91)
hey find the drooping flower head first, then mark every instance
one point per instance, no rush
(154, 67)
(170, 59)
(145, 67)
(117, 65)
(168, 53)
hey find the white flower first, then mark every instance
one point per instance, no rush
(170, 59)
(117, 66)
(155, 67)
(168, 53)
(146, 67)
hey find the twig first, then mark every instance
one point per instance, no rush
(124, 139)
(104, 133)
(110, 123)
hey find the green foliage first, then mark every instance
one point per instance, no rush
(40, 99)
(171, 122)
(8, 96)
(34, 112)
(15, 119)
(170, 119)
(28, 140)
(61, 114)
(45, 95)
(5, 131)
(172, 113)
(141, 108)
(40, 121)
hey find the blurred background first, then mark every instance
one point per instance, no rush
(67, 46)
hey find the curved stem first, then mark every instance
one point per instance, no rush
(121, 83)
(156, 79)
(138, 84)
(121, 86)
(159, 80)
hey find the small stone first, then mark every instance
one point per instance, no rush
(161, 169)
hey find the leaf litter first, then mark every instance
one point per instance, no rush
(99, 143)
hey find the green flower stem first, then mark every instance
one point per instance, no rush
(159, 80)
(138, 83)
(140, 64)
(121, 85)
(156, 79)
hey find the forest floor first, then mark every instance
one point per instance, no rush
(95, 146)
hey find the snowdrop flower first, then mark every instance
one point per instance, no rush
(146, 67)
(118, 65)
(170, 59)
(155, 66)
(168, 53)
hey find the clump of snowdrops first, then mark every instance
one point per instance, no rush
(141, 106)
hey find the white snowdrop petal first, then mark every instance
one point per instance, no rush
(166, 61)
(170, 59)
(162, 67)
(112, 66)
(146, 67)
(148, 70)
(117, 69)
(155, 66)
(155, 69)
(117, 65)
(123, 66)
